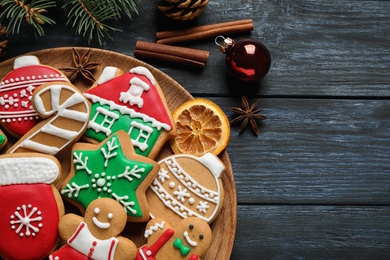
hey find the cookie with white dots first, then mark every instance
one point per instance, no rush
(17, 114)
(97, 234)
(189, 239)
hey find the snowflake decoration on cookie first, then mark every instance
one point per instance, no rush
(107, 172)
(26, 220)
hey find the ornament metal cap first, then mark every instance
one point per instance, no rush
(224, 43)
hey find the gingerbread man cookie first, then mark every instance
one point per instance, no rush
(187, 186)
(96, 236)
(17, 115)
(31, 206)
(188, 240)
(133, 102)
(111, 169)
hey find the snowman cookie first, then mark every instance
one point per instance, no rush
(31, 206)
(17, 115)
(133, 102)
(189, 239)
(187, 186)
(96, 236)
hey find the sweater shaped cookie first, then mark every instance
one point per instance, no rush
(132, 102)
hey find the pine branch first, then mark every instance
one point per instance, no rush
(92, 20)
(15, 12)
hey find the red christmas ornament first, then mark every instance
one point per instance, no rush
(248, 60)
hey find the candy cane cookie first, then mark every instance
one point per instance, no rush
(66, 115)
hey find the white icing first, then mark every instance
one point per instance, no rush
(189, 241)
(25, 61)
(213, 164)
(102, 225)
(154, 228)
(143, 136)
(83, 240)
(26, 221)
(134, 93)
(57, 111)
(126, 111)
(108, 74)
(140, 70)
(27, 170)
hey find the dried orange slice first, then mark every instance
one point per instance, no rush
(201, 126)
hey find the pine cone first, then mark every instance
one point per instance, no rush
(182, 9)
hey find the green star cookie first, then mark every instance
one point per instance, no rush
(111, 169)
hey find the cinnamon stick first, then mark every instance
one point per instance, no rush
(204, 31)
(171, 54)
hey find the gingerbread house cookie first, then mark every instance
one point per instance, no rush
(17, 114)
(110, 169)
(132, 102)
(187, 186)
(31, 206)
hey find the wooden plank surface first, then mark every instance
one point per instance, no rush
(315, 184)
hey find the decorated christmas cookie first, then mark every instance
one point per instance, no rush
(96, 236)
(132, 102)
(189, 239)
(17, 115)
(66, 112)
(111, 169)
(31, 206)
(187, 186)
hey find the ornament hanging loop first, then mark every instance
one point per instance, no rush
(224, 43)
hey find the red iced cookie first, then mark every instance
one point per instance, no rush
(17, 115)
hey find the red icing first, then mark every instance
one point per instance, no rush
(67, 252)
(150, 252)
(153, 105)
(15, 93)
(38, 246)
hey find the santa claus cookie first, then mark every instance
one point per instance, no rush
(132, 102)
(187, 186)
(111, 169)
(66, 115)
(96, 236)
(17, 115)
(31, 206)
(189, 239)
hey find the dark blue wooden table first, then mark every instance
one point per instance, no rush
(315, 184)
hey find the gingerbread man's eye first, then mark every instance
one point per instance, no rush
(110, 215)
(191, 226)
(201, 236)
(96, 210)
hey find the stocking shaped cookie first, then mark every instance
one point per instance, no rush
(187, 186)
(30, 205)
(111, 169)
(96, 236)
(17, 115)
(132, 102)
(189, 239)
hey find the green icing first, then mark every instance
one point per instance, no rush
(122, 123)
(106, 172)
(2, 139)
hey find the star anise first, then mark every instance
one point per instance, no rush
(82, 66)
(247, 114)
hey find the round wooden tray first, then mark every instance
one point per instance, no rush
(224, 226)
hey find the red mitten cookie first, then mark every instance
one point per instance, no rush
(132, 102)
(30, 205)
(17, 115)
(187, 186)
(96, 236)
(189, 239)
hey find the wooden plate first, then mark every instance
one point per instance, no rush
(224, 226)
